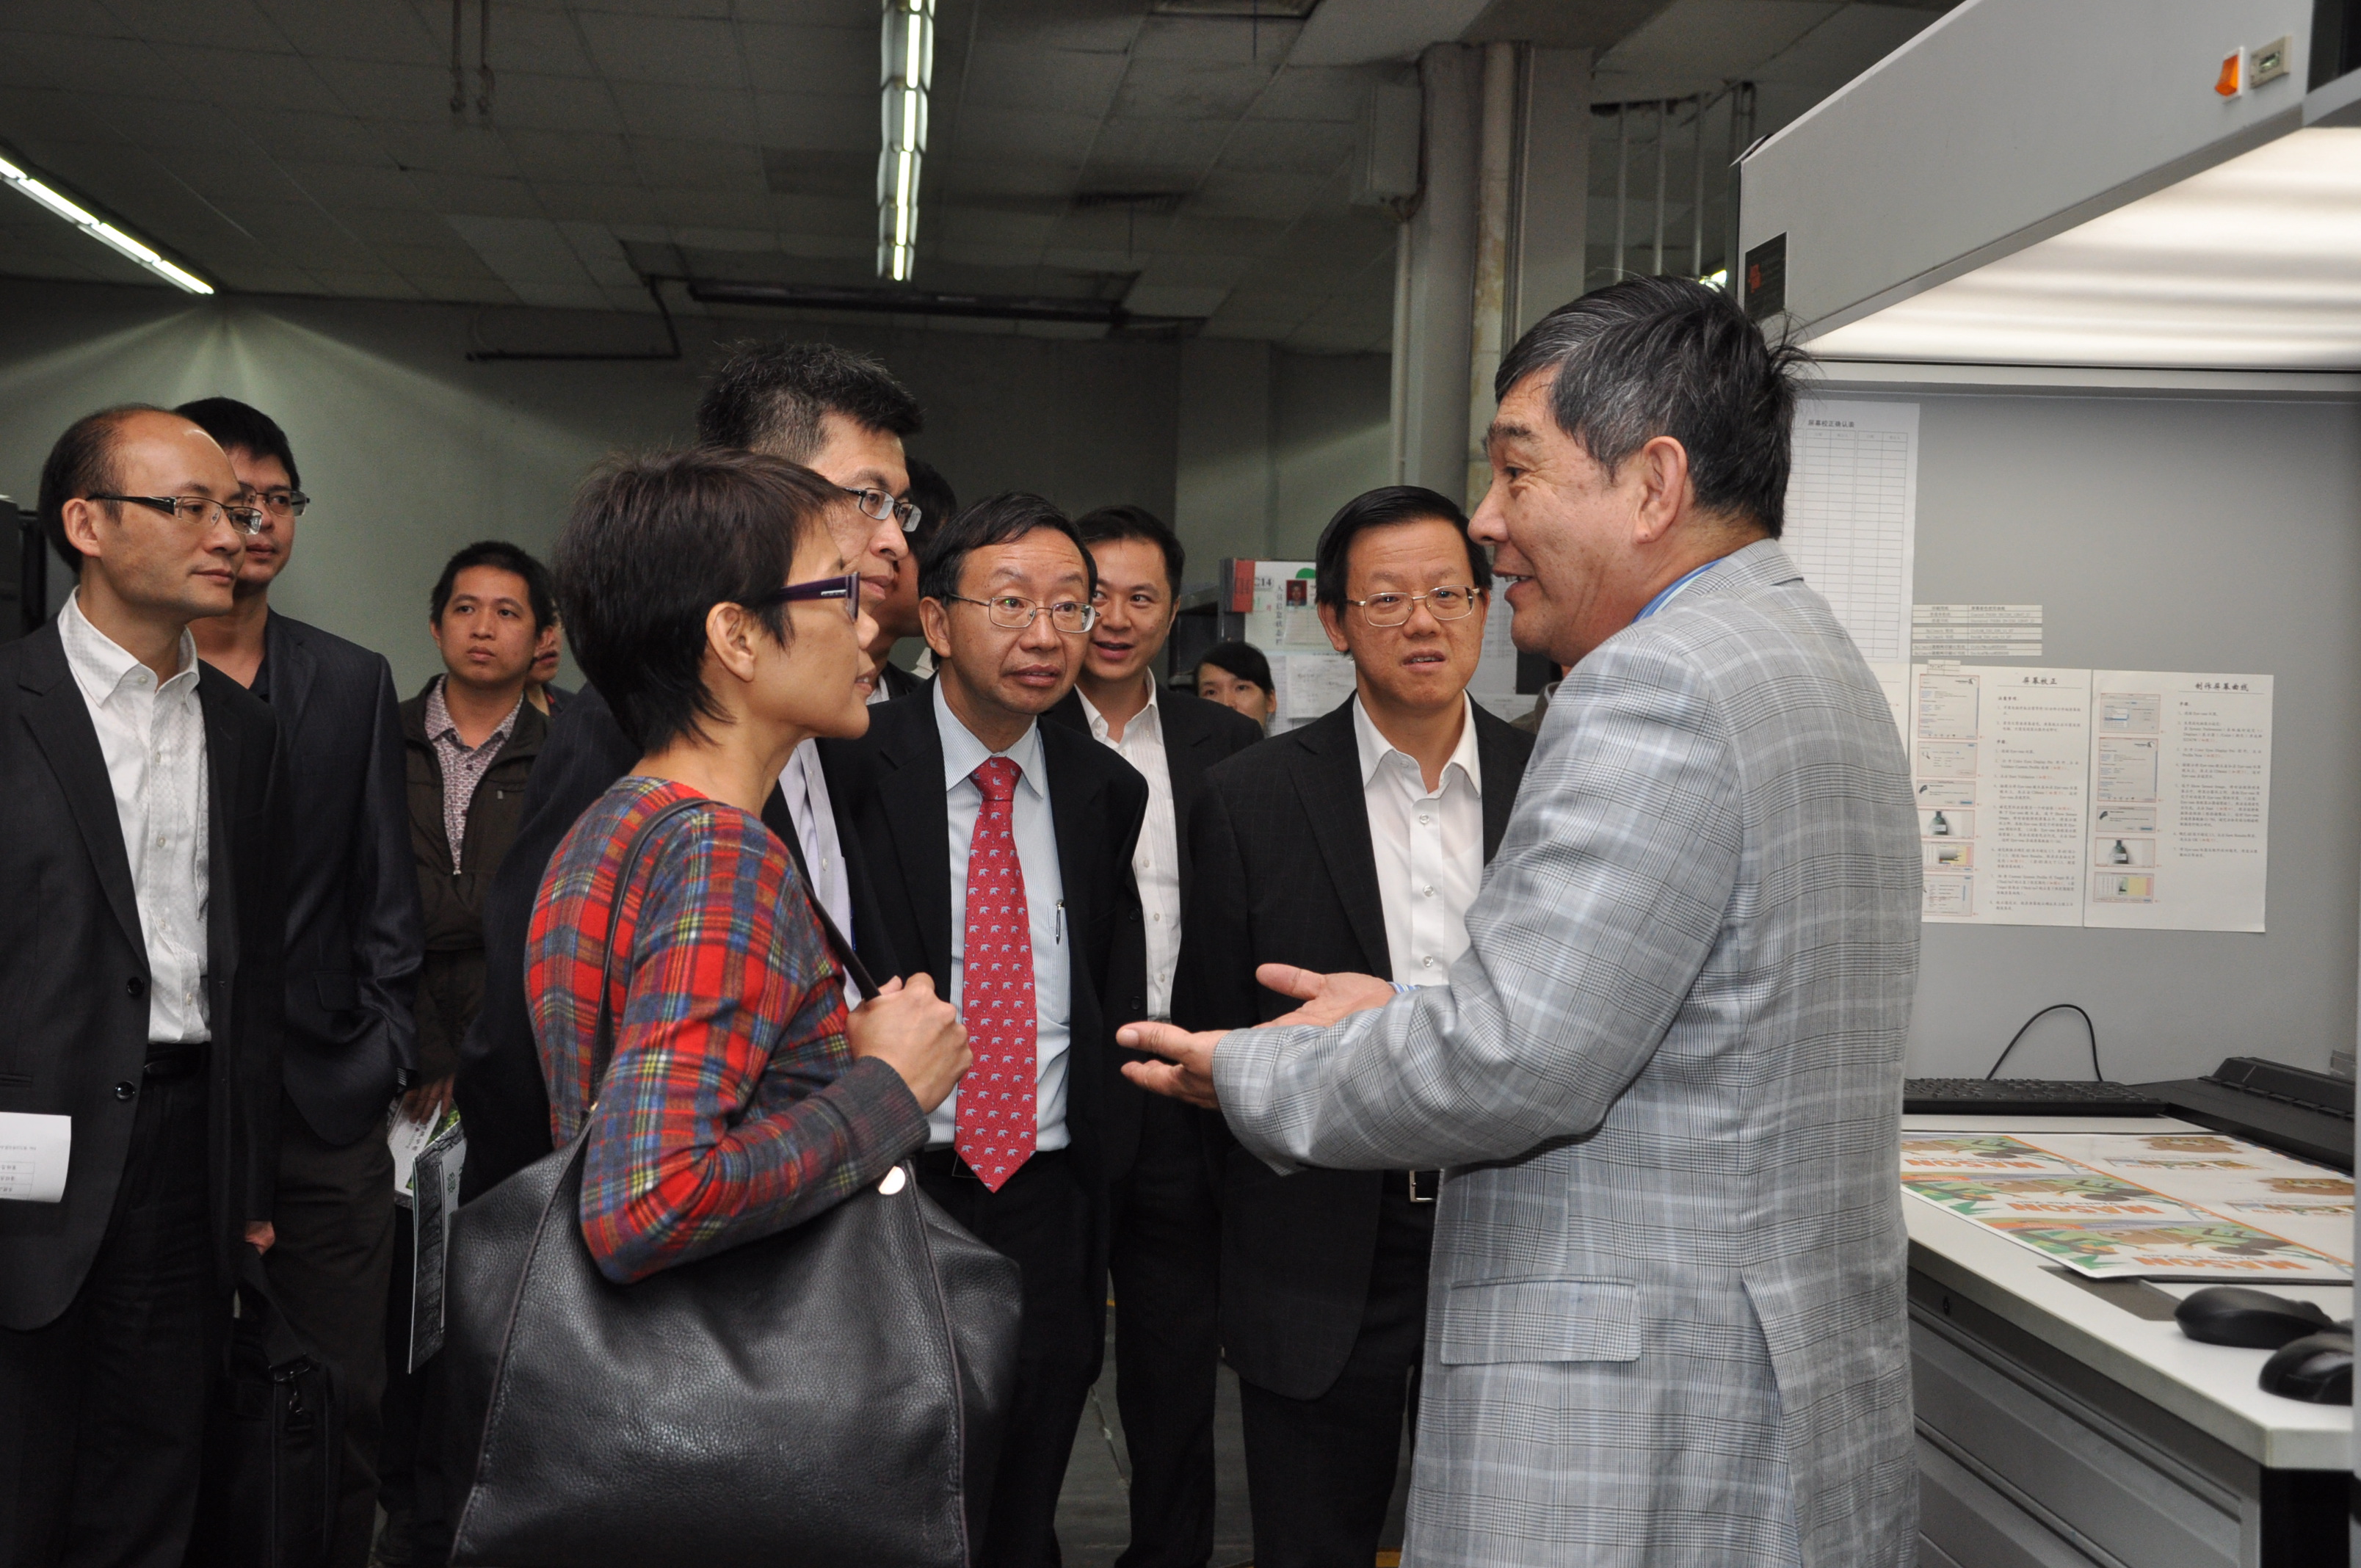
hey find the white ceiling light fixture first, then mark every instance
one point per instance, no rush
(907, 70)
(106, 233)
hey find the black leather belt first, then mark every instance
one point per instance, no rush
(947, 1162)
(1418, 1186)
(167, 1061)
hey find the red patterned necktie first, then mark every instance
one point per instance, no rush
(997, 1124)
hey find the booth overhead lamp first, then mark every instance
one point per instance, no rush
(106, 233)
(907, 68)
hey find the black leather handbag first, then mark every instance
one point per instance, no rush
(833, 1394)
(274, 1443)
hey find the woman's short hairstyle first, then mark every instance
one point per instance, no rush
(1332, 556)
(653, 543)
(1240, 661)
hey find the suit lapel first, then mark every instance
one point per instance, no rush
(1073, 806)
(61, 726)
(1502, 776)
(912, 796)
(292, 670)
(1327, 771)
(226, 765)
(1188, 753)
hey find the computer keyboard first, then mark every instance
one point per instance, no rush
(2025, 1097)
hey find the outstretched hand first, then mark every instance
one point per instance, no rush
(1188, 1073)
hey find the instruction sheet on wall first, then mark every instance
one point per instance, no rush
(2122, 798)
(1309, 677)
(1852, 516)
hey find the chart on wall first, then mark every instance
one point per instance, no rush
(1852, 516)
(2118, 798)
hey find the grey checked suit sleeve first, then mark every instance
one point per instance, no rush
(1595, 918)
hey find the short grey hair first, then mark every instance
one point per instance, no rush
(1653, 356)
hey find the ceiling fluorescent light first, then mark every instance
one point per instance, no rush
(907, 68)
(106, 233)
(2247, 265)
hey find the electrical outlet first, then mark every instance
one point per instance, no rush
(2269, 62)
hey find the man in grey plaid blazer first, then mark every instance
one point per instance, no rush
(1666, 1321)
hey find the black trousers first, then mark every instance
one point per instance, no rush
(103, 1412)
(334, 1217)
(1319, 1472)
(410, 1467)
(1040, 1217)
(1166, 1258)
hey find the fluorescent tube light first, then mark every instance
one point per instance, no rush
(908, 69)
(2250, 265)
(106, 233)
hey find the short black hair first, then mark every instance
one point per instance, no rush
(1243, 661)
(1378, 509)
(503, 556)
(774, 395)
(999, 520)
(80, 465)
(1136, 522)
(936, 501)
(1653, 356)
(233, 425)
(653, 543)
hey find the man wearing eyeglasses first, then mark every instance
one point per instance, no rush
(1001, 849)
(1357, 841)
(355, 942)
(140, 955)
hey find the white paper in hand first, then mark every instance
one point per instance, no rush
(33, 1151)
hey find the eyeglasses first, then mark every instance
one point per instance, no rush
(1443, 604)
(877, 506)
(196, 511)
(846, 587)
(286, 503)
(1012, 614)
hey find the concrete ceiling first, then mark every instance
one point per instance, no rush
(1188, 165)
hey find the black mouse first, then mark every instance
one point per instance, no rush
(2256, 1319)
(2317, 1368)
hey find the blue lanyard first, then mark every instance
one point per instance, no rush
(1684, 580)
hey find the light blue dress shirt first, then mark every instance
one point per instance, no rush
(1036, 832)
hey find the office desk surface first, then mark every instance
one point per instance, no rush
(2209, 1386)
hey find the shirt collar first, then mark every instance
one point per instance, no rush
(439, 724)
(1151, 716)
(101, 665)
(1672, 588)
(1375, 749)
(963, 754)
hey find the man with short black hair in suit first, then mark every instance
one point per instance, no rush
(1357, 843)
(985, 828)
(139, 953)
(1165, 1241)
(355, 940)
(896, 613)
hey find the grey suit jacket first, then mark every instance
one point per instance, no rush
(1666, 1317)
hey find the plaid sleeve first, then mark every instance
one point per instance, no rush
(734, 1107)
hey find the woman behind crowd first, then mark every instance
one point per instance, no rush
(1235, 675)
(707, 598)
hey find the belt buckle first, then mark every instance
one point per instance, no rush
(1411, 1178)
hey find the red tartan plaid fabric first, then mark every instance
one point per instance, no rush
(734, 1107)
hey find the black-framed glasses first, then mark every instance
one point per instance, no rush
(196, 511)
(877, 506)
(846, 587)
(1013, 614)
(1443, 604)
(285, 503)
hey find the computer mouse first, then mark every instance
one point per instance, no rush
(2256, 1319)
(2317, 1368)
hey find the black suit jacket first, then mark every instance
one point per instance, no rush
(1197, 734)
(355, 934)
(1285, 876)
(899, 683)
(501, 1093)
(889, 785)
(75, 967)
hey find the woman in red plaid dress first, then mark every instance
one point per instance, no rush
(711, 604)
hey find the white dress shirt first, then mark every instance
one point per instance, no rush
(1035, 833)
(1156, 860)
(153, 737)
(805, 788)
(1428, 846)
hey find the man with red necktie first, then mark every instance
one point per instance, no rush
(1000, 862)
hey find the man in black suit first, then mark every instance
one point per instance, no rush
(139, 951)
(355, 940)
(896, 614)
(842, 416)
(1356, 843)
(984, 828)
(1165, 1241)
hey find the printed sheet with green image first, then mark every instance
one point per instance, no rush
(2153, 1205)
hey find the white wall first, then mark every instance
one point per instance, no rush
(413, 452)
